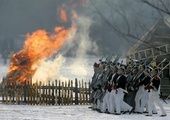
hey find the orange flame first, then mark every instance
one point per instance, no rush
(37, 46)
(63, 15)
(74, 14)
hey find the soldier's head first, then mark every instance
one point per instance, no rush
(128, 69)
(101, 67)
(135, 70)
(114, 68)
(95, 66)
(141, 67)
(146, 71)
(154, 72)
(121, 70)
(107, 68)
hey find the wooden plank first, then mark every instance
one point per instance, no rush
(86, 91)
(36, 93)
(71, 97)
(56, 94)
(46, 95)
(40, 93)
(69, 94)
(76, 92)
(65, 93)
(83, 93)
(48, 92)
(17, 93)
(62, 94)
(59, 93)
(25, 90)
(80, 93)
(53, 94)
(43, 94)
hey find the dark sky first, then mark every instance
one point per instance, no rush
(24, 16)
(19, 17)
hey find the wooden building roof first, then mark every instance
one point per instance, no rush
(156, 42)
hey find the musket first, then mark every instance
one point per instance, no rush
(158, 64)
(138, 76)
(162, 98)
(158, 74)
(101, 59)
(111, 56)
(147, 65)
(161, 62)
(147, 60)
(116, 58)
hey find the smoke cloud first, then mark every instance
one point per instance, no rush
(65, 68)
(94, 36)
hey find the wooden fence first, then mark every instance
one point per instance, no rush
(54, 93)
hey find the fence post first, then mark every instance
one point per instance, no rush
(25, 92)
(53, 97)
(56, 94)
(43, 94)
(71, 92)
(76, 92)
(65, 93)
(59, 93)
(49, 93)
(68, 93)
(80, 92)
(17, 93)
(89, 92)
(62, 95)
(40, 93)
(86, 91)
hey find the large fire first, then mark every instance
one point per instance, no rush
(63, 15)
(37, 47)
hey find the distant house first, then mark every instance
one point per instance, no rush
(154, 44)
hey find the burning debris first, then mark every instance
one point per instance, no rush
(37, 47)
(40, 45)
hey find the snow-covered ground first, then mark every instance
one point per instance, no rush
(72, 112)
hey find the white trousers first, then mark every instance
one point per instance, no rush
(119, 103)
(111, 107)
(106, 102)
(99, 104)
(141, 99)
(154, 96)
(144, 101)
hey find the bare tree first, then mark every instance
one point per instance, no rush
(162, 6)
(134, 28)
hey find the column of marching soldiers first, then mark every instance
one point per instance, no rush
(120, 89)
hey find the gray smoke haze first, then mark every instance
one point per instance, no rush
(96, 33)
(19, 17)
